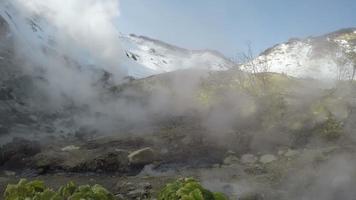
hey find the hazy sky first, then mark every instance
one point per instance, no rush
(228, 25)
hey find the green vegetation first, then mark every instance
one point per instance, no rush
(182, 189)
(188, 189)
(36, 190)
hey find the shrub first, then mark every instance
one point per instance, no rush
(36, 190)
(330, 129)
(182, 189)
(188, 189)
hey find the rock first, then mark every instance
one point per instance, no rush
(248, 159)
(328, 150)
(291, 153)
(9, 173)
(256, 170)
(70, 148)
(137, 194)
(111, 161)
(125, 187)
(281, 152)
(142, 157)
(229, 160)
(230, 153)
(16, 153)
(120, 197)
(130, 191)
(268, 158)
(216, 166)
(50, 159)
(145, 185)
(83, 160)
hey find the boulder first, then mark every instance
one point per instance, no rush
(268, 158)
(70, 148)
(281, 152)
(142, 157)
(248, 159)
(229, 160)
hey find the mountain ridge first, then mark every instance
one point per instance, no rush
(141, 56)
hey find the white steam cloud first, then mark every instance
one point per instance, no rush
(84, 25)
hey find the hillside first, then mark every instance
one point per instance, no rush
(330, 56)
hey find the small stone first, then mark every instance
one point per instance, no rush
(231, 160)
(137, 193)
(129, 186)
(291, 153)
(268, 158)
(216, 166)
(145, 185)
(255, 170)
(230, 153)
(9, 173)
(328, 150)
(248, 159)
(70, 148)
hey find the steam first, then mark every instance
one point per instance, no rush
(81, 26)
(71, 50)
(79, 74)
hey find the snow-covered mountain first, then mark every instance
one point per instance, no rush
(162, 57)
(140, 56)
(330, 56)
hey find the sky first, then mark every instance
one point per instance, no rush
(230, 25)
